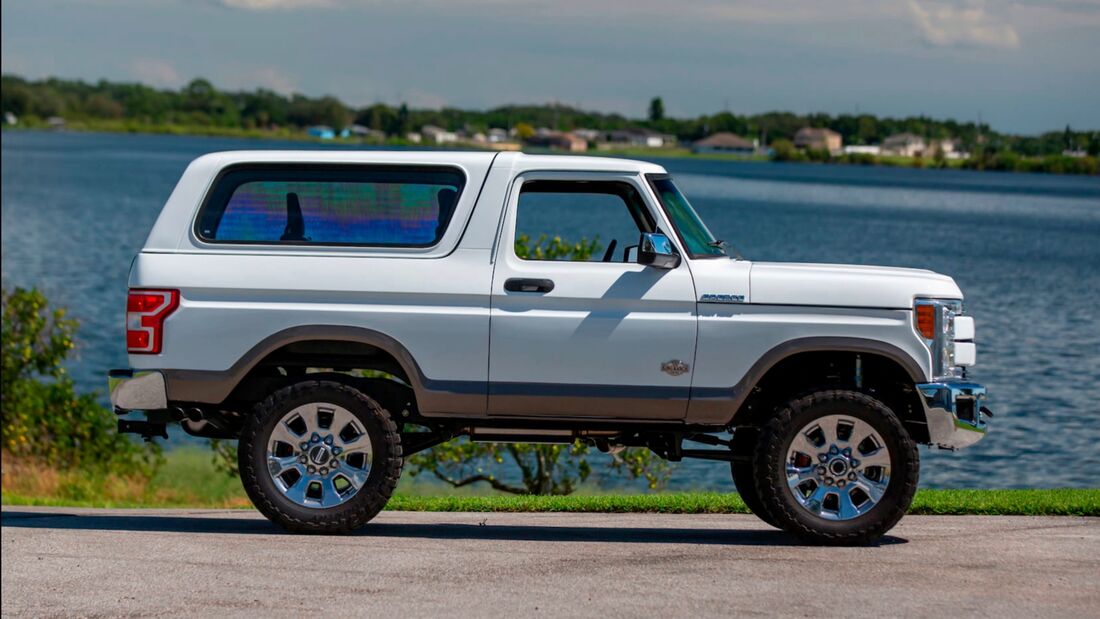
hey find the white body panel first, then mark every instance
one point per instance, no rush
(846, 285)
(607, 325)
(231, 302)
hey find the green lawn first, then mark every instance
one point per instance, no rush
(188, 479)
(1063, 502)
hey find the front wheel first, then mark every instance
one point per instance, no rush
(836, 467)
(319, 457)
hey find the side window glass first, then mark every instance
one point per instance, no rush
(579, 221)
(390, 208)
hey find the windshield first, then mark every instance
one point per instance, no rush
(693, 233)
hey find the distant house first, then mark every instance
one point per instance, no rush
(817, 139)
(321, 131)
(10, 119)
(437, 135)
(497, 135)
(862, 149)
(558, 141)
(950, 149)
(592, 135)
(366, 133)
(640, 137)
(904, 145)
(724, 142)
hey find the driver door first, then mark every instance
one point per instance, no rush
(577, 327)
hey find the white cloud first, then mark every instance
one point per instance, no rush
(947, 24)
(156, 72)
(274, 79)
(268, 5)
(424, 99)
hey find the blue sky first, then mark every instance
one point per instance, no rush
(1023, 65)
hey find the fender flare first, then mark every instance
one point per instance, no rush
(214, 386)
(721, 405)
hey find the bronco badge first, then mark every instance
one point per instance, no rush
(722, 298)
(675, 367)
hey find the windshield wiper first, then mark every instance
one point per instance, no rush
(719, 243)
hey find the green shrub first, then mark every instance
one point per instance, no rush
(784, 150)
(42, 417)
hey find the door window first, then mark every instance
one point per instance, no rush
(579, 221)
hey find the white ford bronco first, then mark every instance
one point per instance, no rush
(336, 312)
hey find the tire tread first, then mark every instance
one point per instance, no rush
(769, 484)
(358, 511)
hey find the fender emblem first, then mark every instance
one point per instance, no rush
(722, 298)
(675, 367)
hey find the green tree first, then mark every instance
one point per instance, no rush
(401, 122)
(784, 150)
(42, 417)
(534, 468)
(524, 131)
(656, 110)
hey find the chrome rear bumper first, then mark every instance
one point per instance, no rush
(140, 390)
(955, 413)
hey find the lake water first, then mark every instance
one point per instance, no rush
(1024, 248)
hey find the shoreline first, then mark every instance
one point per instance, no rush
(1052, 164)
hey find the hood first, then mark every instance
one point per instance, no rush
(846, 285)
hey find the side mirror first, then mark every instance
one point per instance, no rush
(655, 250)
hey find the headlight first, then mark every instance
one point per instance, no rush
(934, 321)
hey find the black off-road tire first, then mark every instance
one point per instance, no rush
(770, 469)
(745, 482)
(358, 510)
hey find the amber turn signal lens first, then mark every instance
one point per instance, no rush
(926, 321)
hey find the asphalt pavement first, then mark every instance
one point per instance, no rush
(62, 561)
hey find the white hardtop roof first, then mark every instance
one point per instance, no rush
(430, 157)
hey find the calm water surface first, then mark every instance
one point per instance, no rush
(1024, 248)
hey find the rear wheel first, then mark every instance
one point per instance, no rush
(319, 457)
(836, 467)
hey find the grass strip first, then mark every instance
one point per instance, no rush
(1059, 502)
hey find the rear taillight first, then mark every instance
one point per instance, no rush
(145, 314)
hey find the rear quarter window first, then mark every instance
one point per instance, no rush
(323, 205)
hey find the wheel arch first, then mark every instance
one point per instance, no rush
(328, 345)
(795, 367)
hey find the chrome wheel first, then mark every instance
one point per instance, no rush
(838, 467)
(319, 455)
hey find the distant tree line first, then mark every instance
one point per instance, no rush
(199, 103)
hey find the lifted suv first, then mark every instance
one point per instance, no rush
(273, 282)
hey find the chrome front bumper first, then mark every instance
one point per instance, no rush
(141, 390)
(955, 413)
